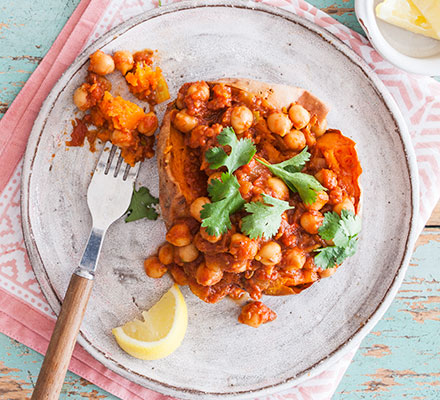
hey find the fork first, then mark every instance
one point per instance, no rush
(108, 198)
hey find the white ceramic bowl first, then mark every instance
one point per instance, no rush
(413, 53)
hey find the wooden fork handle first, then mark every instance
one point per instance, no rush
(53, 371)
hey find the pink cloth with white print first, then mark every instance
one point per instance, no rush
(24, 313)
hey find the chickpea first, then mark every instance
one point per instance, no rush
(184, 122)
(327, 272)
(310, 276)
(295, 140)
(242, 247)
(122, 138)
(180, 104)
(188, 253)
(123, 61)
(208, 276)
(327, 178)
(216, 261)
(154, 268)
(197, 206)
(269, 254)
(178, 275)
(294, 259)
(311, 221)
(199, 91)
(299, 116)
(335, 195)
(279, 123)
(179, 235)
(101, 63)
(321, 201)
(80, 98)
(166, 254)
(215, 175)
(320, 128)
(241, 119)
(148, 125)
(346, 204)
(238, 267)
(279, 188)
(210, 238)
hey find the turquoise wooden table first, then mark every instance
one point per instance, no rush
(400, 359)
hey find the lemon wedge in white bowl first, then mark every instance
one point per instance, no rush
(161, 332)
(406, 15)
(413, 52)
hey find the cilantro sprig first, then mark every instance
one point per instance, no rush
(344, 231)
(264, 219)
(227, 200)
(242, 151)
(142, 205)
(224, 192)
(306, 185)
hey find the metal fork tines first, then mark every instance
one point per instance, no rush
(108, 198)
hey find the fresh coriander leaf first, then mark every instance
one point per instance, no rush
(344, 231)
(226, 197)
(349, 249)
(264, 219)
(351, 223)
(224, 187)
(296, 163)
(329, 226)
(306, 185)
(241, 153)
(340, 228)
(328, 257)
(142, 205)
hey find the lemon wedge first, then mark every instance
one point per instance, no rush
(430, 9)
(161, 332)
(405, 14)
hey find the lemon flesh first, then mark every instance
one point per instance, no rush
(160, 333)
(405, 14)
(431, 11)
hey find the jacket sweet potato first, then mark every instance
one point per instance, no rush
(180, 176)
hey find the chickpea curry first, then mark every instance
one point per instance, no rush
(115, 119)
(259, 197)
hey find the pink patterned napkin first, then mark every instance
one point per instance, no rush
(24, 313)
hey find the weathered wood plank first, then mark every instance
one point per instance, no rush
(19, 368)
(400, 358)
(26, 33)
(435, 217)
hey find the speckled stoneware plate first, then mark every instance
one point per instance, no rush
(219, 357)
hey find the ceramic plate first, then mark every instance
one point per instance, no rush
(220, 357)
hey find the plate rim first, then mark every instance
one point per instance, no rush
(385, 97)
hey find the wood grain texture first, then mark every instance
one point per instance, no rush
(400, 359)
(62, 342)
(434, 221)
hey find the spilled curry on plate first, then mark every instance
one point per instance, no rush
(259, 197)
(113, 118)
